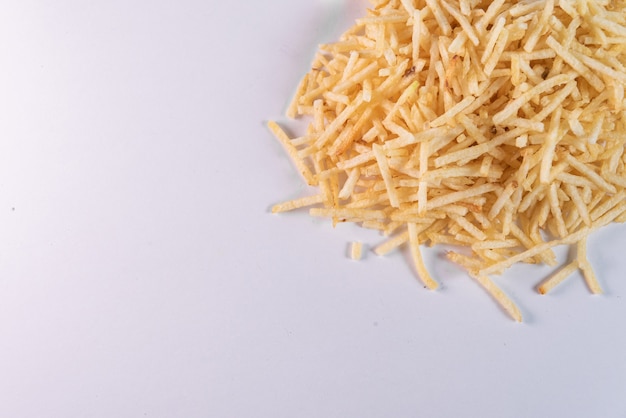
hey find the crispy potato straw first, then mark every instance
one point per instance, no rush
(497, 126)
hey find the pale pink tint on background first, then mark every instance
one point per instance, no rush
(141, 273)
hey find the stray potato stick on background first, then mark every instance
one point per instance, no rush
(498, 126)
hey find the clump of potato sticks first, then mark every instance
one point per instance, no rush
(495, 126)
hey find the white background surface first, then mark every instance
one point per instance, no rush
(142, 275)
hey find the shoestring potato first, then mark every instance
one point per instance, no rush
(494, 126)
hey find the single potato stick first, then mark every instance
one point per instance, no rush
(356, 250)
(497, 293)
(422, 272)
(557, 278)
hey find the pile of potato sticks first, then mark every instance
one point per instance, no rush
(495, 126)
